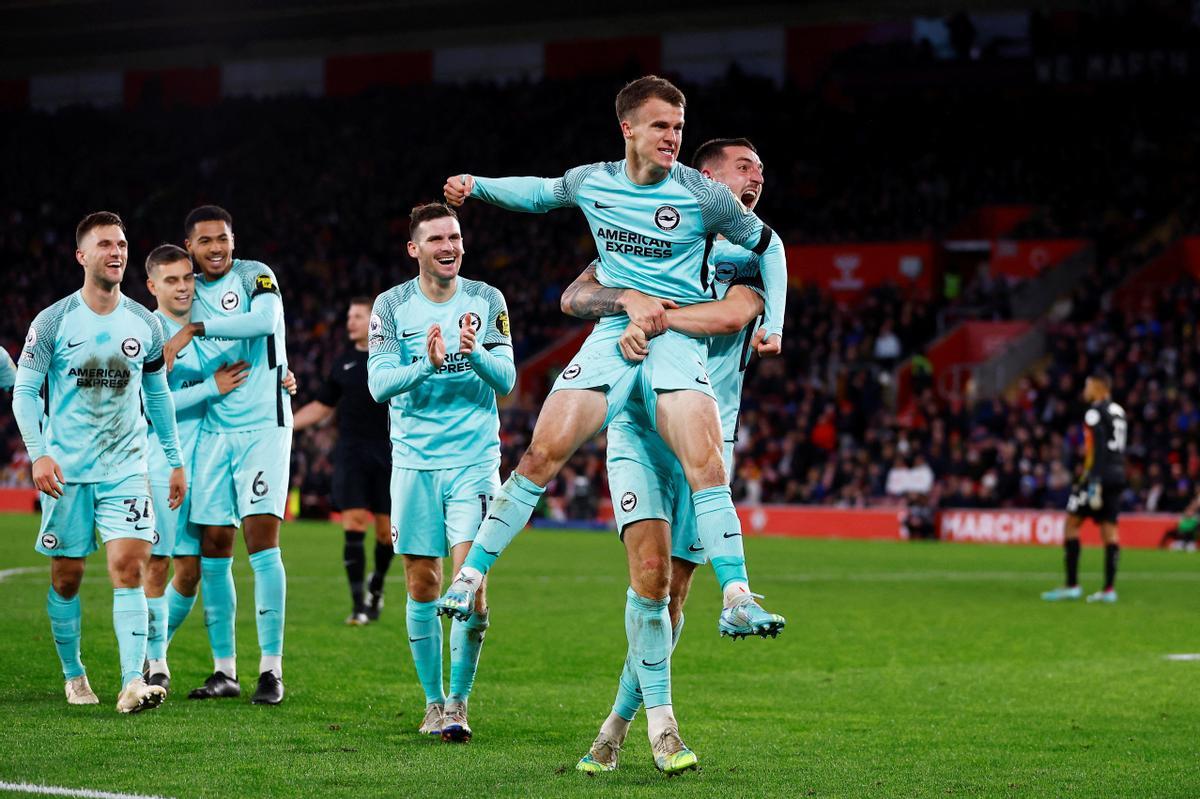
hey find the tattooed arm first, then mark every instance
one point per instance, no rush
(587, 299)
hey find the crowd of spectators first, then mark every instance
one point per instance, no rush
(321, 188)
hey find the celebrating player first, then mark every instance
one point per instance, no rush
(99, 355)
(362, 463)
(170, 280)
(244, 448)
(649, 490)
(440, 353)
(1098, 493)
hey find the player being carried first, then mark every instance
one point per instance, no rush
(193, 383)
(440, 353)
(99, 356)
(650, 494)
(1098, 493)
(243, 451)
(361, 464)
(653, 220)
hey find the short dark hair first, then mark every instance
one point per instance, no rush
(362, 300)
(94, 220)
(426, 212)
(636, 92)
(205, 213)
(714, 149)
(165, 254)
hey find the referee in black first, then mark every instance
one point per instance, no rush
(362, 463)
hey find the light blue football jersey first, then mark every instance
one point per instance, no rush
(8, 370)
(261, 401)
(94, 425)
(449, 420)
(652, 238)
(189, 375)
(728, 356)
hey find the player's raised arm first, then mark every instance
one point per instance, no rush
(387, 375)
(586, 298)
(527, 194)
(492, 359)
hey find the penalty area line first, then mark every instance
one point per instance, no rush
(55, 790)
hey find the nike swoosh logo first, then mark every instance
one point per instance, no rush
(135, 632)
(62, 643)
(497, 519)
(407, 334)
(694, 548)
(346, 366)
(652, 665)
(731, 535)
(265, 611)
(495, 554)
(143, 529)
(702, 381)
(73, 344)
(414, 640)
(602, 207)
(256, 500)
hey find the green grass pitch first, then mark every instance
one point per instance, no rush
(905, 670)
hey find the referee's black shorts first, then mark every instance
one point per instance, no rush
(362, 472)
(1110, 503)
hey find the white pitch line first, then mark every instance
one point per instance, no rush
(6, 573)
(1183, 656)
(54, 790)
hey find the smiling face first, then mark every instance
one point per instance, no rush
(742, 171)
(438, 247)
(103, 254)
(174, 286)
(654, 133)
(211, 246)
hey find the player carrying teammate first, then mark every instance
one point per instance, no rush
(649, 491)
(99, 356)
(361, 463)
(440, 353)
(170, 280)
(243, 452)
(1098, 493)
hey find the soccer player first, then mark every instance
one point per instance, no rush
(440, 353)
(170, 280)
(243, 452)
(652, 220)
(649, 491)
(361, 463)
(98, 355)
(1098, 493)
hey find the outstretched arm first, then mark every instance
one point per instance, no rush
(528, 194)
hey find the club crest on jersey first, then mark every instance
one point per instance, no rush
(375, 325)
(666, 217)
(725, 272)
(472, 320)
(572, 372)
(30, 341)
(628, 501)
(502, 324)
(131, 347)
(50, 541)
(155, 539)
(395, 534)
(230, 300)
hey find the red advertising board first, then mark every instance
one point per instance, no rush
(848, 270)
(1028, 258)
(1044, 527)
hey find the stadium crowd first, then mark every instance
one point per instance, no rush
(320, 189)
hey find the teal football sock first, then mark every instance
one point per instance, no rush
(648, 628)
(629, 692)
(425, 641)
(178, 608)
(130, 623)
(507, 515)
(466, 641)
(156, 638)
(220, 605)
(66, 625)
(270, 596)
(721, 533)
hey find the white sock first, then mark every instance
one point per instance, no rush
(226, 666)
(615, 727)
(273, 663)
(471, 575)
(735, 591)
(159, 667)
(658, 719)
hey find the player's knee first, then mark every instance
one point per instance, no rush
(539, 463)
(706, 473)
(127, 571)
(653, 575)
(66, 581)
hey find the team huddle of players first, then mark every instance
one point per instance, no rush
(689, 285)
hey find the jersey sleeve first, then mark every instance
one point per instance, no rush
(751, 277)
(154, 354)
(387, 375)
(8, 370)
(534, 195)
(498, 334)
(39, 342)
(266, 305)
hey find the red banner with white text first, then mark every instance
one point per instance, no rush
(848, 270)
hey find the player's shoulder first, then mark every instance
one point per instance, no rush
(397, 295)
(1114, 409)
(479, 288)
(578, 178)
(140, 312)
(255, 277)
(706, 191)
(49, 318)
(246, 266)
